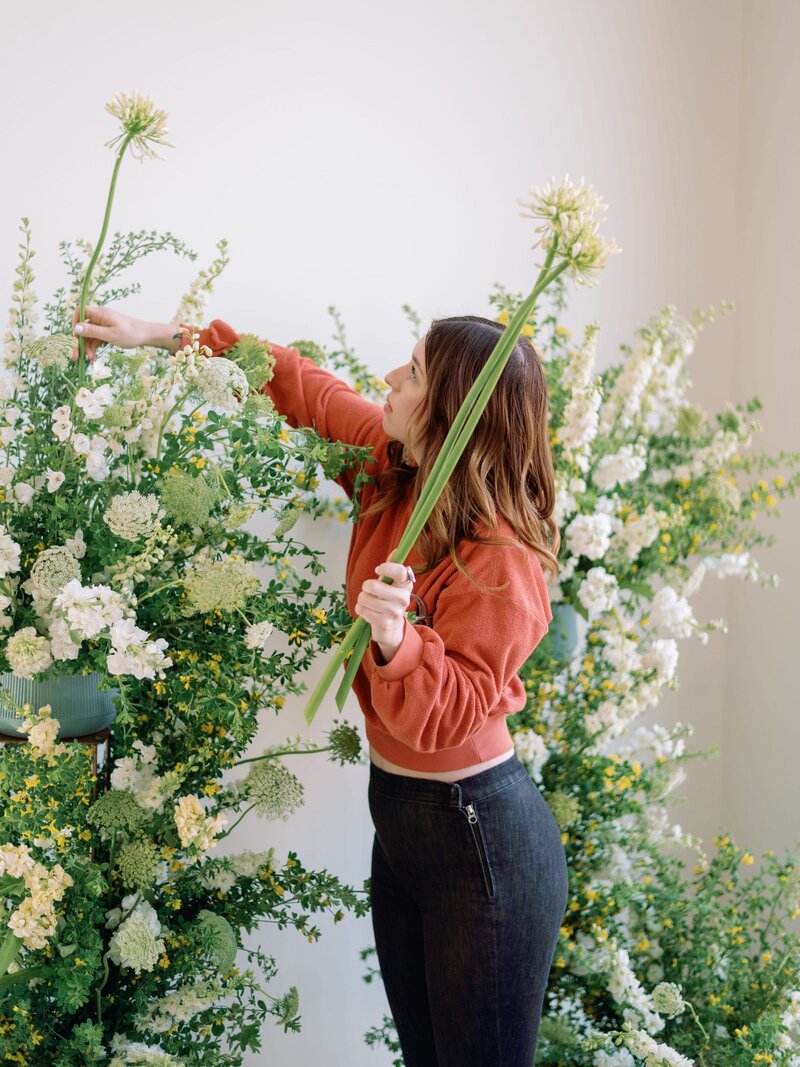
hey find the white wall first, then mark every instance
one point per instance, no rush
(368, 154)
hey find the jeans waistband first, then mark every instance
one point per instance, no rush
(448, 794)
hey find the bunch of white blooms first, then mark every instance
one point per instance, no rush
(673, 612)
(133, 516)
(532, 751)
(589, 535)
(93, 402)
(637, 532)
(622, 466)
(624, 407)
(625, 987)
(139, 774)
(599, 592)
(137, 1054)
(134, 652)
(42, 730)
(34, 920)
(179, 1006)
(194, 826)
(89, 609)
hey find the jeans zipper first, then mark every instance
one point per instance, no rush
(477, 837)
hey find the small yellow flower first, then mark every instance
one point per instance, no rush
(747, 858)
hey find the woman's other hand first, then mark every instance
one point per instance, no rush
(384, 606)
(105, 326)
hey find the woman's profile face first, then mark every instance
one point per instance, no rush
(407, 385)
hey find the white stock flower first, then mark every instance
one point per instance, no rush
(599, 592)
(673, 612)
(90, 609)
(623, 466)
(135, 653)
(194, 826)
(532, 751)
(589, 535)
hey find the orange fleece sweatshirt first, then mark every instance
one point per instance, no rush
(441, 703)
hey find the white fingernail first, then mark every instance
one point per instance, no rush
(79, 328)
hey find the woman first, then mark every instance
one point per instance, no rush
(469, 877)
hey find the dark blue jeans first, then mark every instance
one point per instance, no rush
(469, 888)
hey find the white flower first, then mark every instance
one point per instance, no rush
(194, 826)
(24, 492)
(532, 751)
(590, 535)
(258, 635)
(571, 215)
(76, 545)
(623, 466)
(55, 479)
(135, 653)
(599, 592)
(61, 641)
(673, 612)
(10, 553)
(143, 125)
(81, 444)
(94, 402)
(28, 653)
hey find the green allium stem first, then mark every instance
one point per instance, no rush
(232, 828)
(87, 278)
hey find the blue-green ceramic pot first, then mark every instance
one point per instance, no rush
(562, 637)
(80, 707)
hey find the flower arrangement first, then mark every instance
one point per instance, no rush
(127, 486)
(653, 965)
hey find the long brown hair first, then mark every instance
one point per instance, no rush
(507, 466)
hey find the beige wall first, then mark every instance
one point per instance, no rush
(366, 154)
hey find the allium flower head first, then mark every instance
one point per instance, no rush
(116, 809)
(571, 216)
(55, 567)
(217, 937)
(53, 350)
(133, 516)
(275, 790)
(136, 864)
(143, 126)
(346, 744)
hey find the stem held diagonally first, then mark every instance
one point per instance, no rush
(358, 636)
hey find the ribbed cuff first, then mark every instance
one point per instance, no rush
(405, 660)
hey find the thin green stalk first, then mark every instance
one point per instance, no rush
(96, 255)
(282, 752)
(464, 424)
(9, 980)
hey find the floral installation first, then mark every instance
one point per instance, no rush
(654, 964)
(127, 486)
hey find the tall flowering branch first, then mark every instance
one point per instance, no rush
(143, 126)
(572, 242)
